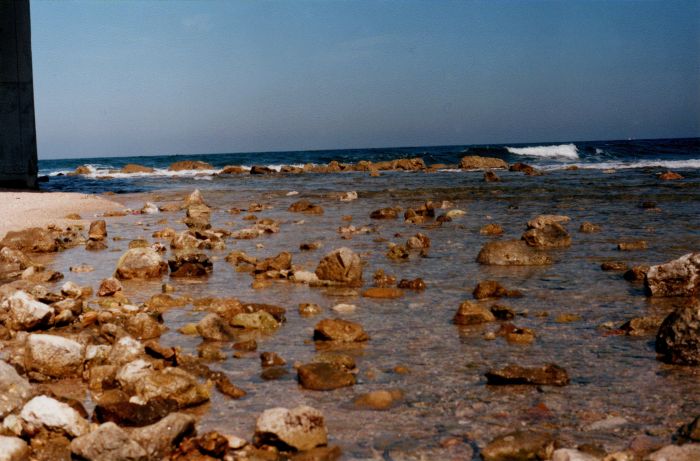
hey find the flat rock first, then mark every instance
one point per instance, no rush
(550, 374)
(339, 330)
(552, 235)
(687, 452)
(32, 240)
(324, 377)
(301, 428)
(471, 313)
(160, 438)
(511, 253)
(107, 443)
(680, 277)
(382, 293)
(476, 162)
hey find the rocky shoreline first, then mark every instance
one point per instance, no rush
(146, 396)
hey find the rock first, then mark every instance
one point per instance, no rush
(475, 162)
(514, 334)
(415, 284)
(636, 274)
(143, 326)
(332, 453)
(640, 326)
(324, 377)
(43, 412)
(226, 387)
(195, 198)
(109, 287)
(14, 389)
(519, 445)
(257, 169)
(214, 328)
(418, 242)
(544, 220)
(382, 293)
(344, 308)
(189, 165)
(190, 265)
(309, 309)
(689, 432)
(678, 338)
(301, 428)
(54, 356)
(511, 253)
(470, 313)
(569, 454)
(259, 320)
(20, 311)
(341, 266)
(150, 208)
(95, 245)
(680, 277)
(552, 235)
(379, 400)
(348, 196)
(524, 168)
(13, 449)
(310, 246)
(107, 443)
(489, 289)
(339, 330)
(12, 260)
(168, 384)
(502, 312)
(161, 438)
(491, 229)
(669, 176)
(304, 206)
(32, 240)
(549, 374)
(490, 176)
(397, 252)
(140, 263)
(271, 359)
(632, 246)
(688, 452)
(98, 230)
(588, 228)
(185, 241)
(233, 169)
(127, 413)
(131, 168)
(617, 266)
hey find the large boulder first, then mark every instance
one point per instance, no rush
(54, 356)
(680, 277)
(301, 428)
(32, 240)
(511, 253)
(44, 412)
(678, 339)
(475, 162)
(141, 263)
(20, 311)
(108, 442)
(15, 389)
(341, 266)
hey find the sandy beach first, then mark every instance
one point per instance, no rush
(20, 210)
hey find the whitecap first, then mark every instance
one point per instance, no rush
(567, 151)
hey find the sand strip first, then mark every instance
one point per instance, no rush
(20, 210)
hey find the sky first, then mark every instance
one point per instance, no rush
(221, 76)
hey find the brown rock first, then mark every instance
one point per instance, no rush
(511, 253)
(304, 206)
(636, 273)
(383, 293)
(552, 235)
(418, 242)
(491, 229)
(415, 284)
(190, 165)
(475, 162)
(98, 230)
(233, 169)
(617, 266)
(190, 265)
(640, 326)
(324, 377)
(520, 445)
(489, 289)
(134, 168)
(678, 339)
(549, 374)
(524, 168)
(589, 228)
(385, 213)
(140, 263)
(669, 176)
(127, 413)
(379, 400)
(490, 176)
(247, 346)
(397, 252)
(341, 266)
(632, 246)
(339, 330)
(470, 313)
(271, 359)
(514, 334)
(301, 428)
(309, 309)
(109, 287)
(226, 387)
(32, 240)
(257, 169)
(680, 277)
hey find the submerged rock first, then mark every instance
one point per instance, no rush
(520, 445)
(385, 213)
(678, 338)
(680, 277)
(491, 229)
(549, 374)
(379, 400)
(551, 235)
(341, 266)
(301, 428)
(588, 228)
(140, 263)
(320, 376)
(632, 246)
(511, 253)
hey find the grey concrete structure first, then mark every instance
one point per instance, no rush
(18, 159)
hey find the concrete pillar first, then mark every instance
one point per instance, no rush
(18, 160)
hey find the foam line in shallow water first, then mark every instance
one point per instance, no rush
(566, 151)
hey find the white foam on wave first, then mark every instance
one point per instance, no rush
(567, 151)
(670, 164)
(101, 172)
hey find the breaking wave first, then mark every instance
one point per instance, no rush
(565, 151)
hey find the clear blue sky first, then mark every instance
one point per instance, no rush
(140, 78)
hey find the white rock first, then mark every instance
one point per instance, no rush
(150, 208)
(125, 350)
(291, 193)
(24, 312)
(71, 289)
(302, 427)
(54, 355)
(132, 372)
(348, 196)
(43, 411)
(455, 213)
(569, 454)
(344, 308)
(12, 424)
(13, 449)
(304, 277)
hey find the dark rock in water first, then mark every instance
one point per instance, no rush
(257, 169)
(617, 266)
(678, 339)
(233, 169)
(489, 289)
(324, 377)
(339, 330)
(669, 176)
(511, 253)
(502, 312)
(515, 334)
(32, 240)
(524, 168)
(418, 242)
(552, 235)
(637, 273)
(226, 387)
(680, 277)
(273, 373)
(127, 413)
(471, 313)
(385, 213)
(490, 176)
(95, 245)
(549, 374)
(271, 359)
(648, 205)
(341, 266)
(130, 168)
(190, 265)
(640, 326)
(491, 229)
(589, 228)
(475, 162)
(304, 206)
(520, 446)
(415, 284)
(108, 442)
